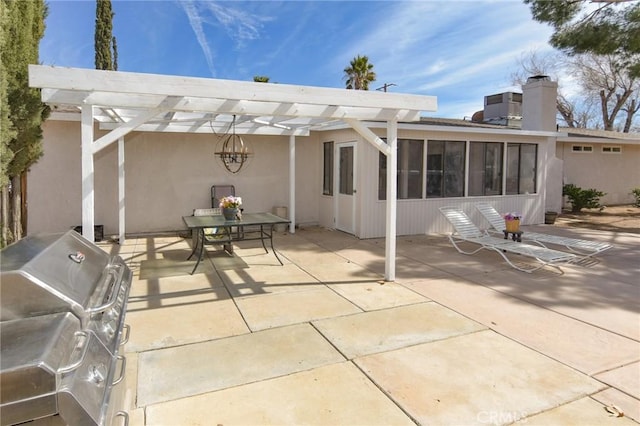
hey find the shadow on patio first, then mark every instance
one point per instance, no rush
(324, 340)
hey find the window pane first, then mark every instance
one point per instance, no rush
(485, 168)
(454, 169)
(445, 168)
(521, 168)
(493, 169)
(346, 170)
(410, 153)
(382, 176)
(327, 177)
(476, 168)
(410, 170)
(435, 168)
(528, 159)
(513, 168)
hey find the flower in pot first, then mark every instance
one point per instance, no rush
(230, 206)
(512, 221)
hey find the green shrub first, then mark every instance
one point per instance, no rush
(636, 193)
(582, 198)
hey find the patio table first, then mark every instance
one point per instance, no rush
(264, 221)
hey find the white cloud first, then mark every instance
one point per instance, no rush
(239, 25)
(195, 20)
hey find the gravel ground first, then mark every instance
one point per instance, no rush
(624, 218)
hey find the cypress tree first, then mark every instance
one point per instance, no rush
(105, 43)
(24, 112)
(7, 130)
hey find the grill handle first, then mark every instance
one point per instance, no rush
(124, 415)
(83, 338)
(122, 369)
(115, 273)
(125, 339)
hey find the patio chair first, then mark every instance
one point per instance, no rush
(220, 191)
(217, 193)
(465, 231)
(583, 248)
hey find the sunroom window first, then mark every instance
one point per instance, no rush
(485, 168)
(521, 168)
(410, 170)
(445, 168)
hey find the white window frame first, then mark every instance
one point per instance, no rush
(612, 149)
(582, 149)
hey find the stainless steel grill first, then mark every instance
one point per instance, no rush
(62, 307)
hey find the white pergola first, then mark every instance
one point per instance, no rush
(122, 102)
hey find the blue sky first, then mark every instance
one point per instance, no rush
(456, 50)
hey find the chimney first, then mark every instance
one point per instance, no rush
(539, 96)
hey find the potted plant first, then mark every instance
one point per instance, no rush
(230, 206)
(512, 222)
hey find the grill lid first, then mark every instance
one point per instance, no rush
(34, 353)
(50, 273)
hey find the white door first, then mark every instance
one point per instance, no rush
(345, 202)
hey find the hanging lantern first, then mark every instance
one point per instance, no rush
(232, 150)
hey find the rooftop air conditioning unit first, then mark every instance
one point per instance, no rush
(502, 105)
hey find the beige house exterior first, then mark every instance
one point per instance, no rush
(169, 173)
(606, 161)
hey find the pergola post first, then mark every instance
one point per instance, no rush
(121, 204)
(88, 205)
(392, 170)
(292, 184)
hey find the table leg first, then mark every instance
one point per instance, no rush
(275, 253)
(200, 246)
(195, 243)
(228, 247)
(262, 235)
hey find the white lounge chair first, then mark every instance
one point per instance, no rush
(583, 248)
(467, 231)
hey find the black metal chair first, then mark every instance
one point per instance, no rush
(220, 191)
(217, 193)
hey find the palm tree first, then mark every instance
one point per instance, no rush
(359, 73)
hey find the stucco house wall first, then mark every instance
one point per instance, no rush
(167, 175)
(615, 173)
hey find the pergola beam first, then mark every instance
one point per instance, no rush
(204, 128)
(131, 125)
(371, 137)
(237, 107)
(129, 83)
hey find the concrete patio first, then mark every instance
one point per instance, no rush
(322, 340)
